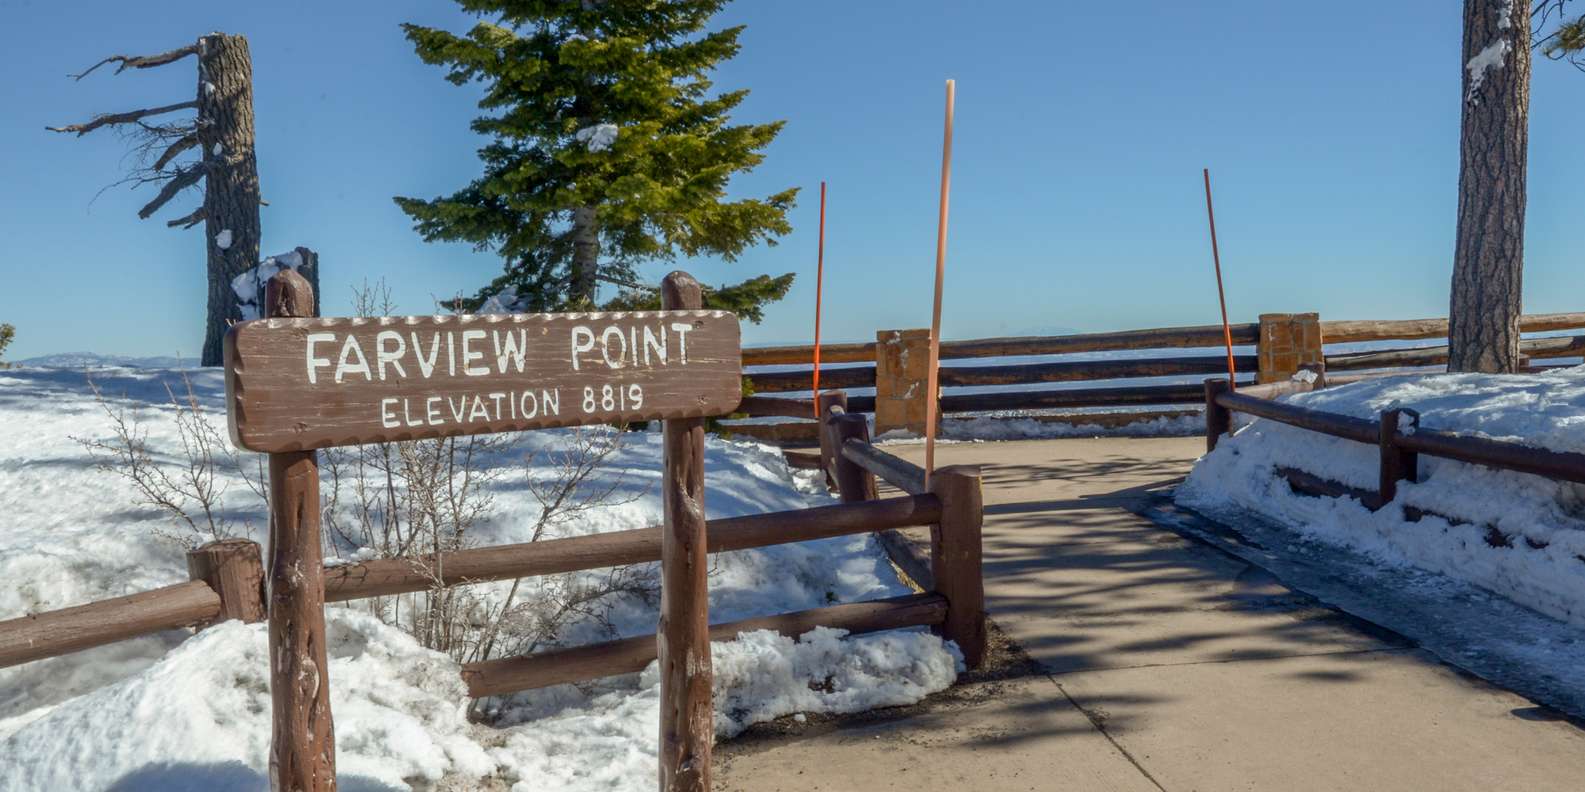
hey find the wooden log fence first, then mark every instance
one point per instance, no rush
(386, 577)
(1128, 400)
(1537, 348)
(952, 566)
(1075, 371)
(1347, 331)
(803, 381)
(228, 577)
(1397, 434)
(107, 621)
(629, 655)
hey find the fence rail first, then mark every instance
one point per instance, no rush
(228, 578)
(627, 655)
(108, 621)
(1283, 342)
(1399, 446)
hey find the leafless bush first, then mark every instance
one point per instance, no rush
(424, 499)
(189, 487)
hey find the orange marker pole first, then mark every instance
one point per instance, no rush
(820, 276)
(1227, 330)
(932, 387)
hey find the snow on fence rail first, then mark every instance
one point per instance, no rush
(228, 578)
(1396, 433)
(1283, 343)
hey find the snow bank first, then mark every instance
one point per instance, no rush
(1015, 428)
(175, 711)
(1545, 567)
(1018, 426)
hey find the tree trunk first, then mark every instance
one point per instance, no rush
(585, 255)
(231, 194)
(1488, 260)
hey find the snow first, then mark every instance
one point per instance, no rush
(1014, 428)
(223, 239)
(249, 286)
(181, 711)
(505, 301)
(1489, 58)
(1545, 567)
(598, 137)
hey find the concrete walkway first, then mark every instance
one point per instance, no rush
(1157, 663)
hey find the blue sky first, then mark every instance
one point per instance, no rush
(1331, 131)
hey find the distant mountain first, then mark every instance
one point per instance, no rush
(79, 360)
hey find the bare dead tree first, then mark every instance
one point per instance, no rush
(1488, 255)
(220, 134)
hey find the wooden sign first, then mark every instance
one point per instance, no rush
(298, 384)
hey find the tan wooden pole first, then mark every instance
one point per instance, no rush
(687, 716)
(932, 376)
(303, 743)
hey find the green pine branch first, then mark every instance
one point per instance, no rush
(557, 73)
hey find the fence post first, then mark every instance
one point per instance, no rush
(1286, 343)
(955, 558)
(902, 367)
(1396, 464)
(234, 568)
(1218, 419)
(854, 483)
(823, 404)
(687, 717)
(303, 744)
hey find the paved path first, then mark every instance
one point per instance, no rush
(1163, 664)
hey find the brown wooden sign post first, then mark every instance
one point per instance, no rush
(687, 715)
(303, 740)
(295, 384)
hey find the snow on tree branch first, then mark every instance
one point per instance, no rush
(598, 137)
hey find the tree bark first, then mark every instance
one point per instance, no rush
(1488, 260)
(585, 254)
(231, 194)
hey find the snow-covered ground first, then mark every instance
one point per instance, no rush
(1016, 427)
(179, 711)
(1544, 520)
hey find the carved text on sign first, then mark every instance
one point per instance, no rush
(310, 383)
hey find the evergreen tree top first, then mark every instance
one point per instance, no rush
(604, 106)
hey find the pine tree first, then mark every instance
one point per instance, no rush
(607, 149)
(1567, 40)
(1488, 253)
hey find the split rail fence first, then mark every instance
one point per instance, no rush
(1397, 434)
(229, 580)
(1163, 382)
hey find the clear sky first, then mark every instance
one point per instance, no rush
(1331, 131)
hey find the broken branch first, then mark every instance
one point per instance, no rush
(184, 179)
(190, 220)
(141, 61)
(123, 118)
(181, 145)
